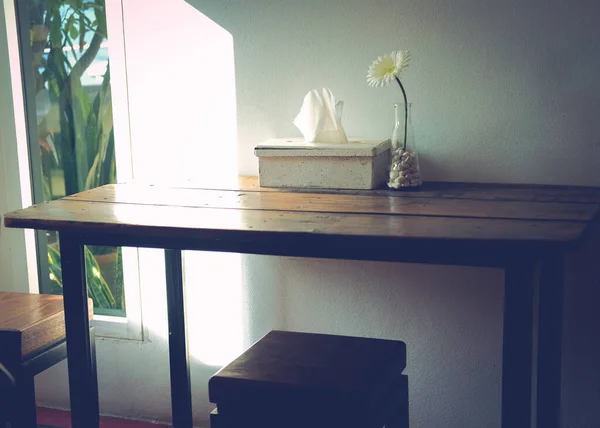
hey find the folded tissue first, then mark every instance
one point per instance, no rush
(324, 158)
(320, 118)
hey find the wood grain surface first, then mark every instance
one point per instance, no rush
(445, 212)
(337, 203)
(168, 220)
(346, 377)
(480, 191)
(38, 318)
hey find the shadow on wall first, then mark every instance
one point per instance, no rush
(448, 316)
(447, 168)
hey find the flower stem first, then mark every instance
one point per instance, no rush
(405, 112)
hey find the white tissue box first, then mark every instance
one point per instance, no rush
(292, 162)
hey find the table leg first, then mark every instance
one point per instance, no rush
(518, 344)
(181, 396)
(83, 382)
(550, 341)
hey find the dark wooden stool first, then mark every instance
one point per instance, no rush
(290, 379)
(32, 339)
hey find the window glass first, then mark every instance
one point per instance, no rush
(69, 85)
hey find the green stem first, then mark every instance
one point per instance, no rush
(405, 112)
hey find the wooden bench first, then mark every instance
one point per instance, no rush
(293, 380)
(32, 339)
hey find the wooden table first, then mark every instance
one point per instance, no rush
(525, 230)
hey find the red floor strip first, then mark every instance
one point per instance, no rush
(62, 419)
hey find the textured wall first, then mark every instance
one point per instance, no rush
(501, 91)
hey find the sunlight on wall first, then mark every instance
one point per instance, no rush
(182, 111)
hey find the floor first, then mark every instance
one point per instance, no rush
(51, 418)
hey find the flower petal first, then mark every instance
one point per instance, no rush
(387, 67)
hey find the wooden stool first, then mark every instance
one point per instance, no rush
(32, 339)
(289, 379)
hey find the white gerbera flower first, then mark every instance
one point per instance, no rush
(387, 68)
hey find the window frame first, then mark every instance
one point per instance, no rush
(131, 326)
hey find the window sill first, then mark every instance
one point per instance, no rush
(117, 328)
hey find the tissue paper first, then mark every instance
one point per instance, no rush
(320, 118)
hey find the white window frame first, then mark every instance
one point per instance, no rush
(131, 326)
(15, 185)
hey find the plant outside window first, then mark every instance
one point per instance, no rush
(71, 83)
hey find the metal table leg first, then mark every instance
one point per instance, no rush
(550, 341)
(82, 372)
(181, 396)
(517, 344)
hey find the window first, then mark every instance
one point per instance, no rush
(163, 146)
(73, 139)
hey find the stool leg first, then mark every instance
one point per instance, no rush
(25, 415)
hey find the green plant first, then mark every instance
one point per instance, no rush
(76, 133)
(76, 130)
(98, 289)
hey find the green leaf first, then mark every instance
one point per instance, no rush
(99, 173)
(119, 290)
(73, 32)
(47, 188)
(109, 170)
(55, 33)
(67, 143)
(69, 24)
(97, 286)
(55, 266)
(58, 65)
(73, 51)
(81, 105)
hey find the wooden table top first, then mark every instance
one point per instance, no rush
(442, 212)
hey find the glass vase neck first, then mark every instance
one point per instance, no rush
(399, 111)
(401, 123)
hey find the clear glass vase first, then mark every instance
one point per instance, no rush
(404, 171)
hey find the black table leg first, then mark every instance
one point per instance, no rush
(181, 396)
(550, 341)
(518, 344)
(82, 367)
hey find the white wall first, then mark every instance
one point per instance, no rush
(501, 91)
(17, 269)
